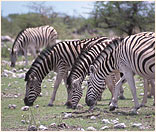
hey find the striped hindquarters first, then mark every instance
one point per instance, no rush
(139, 53)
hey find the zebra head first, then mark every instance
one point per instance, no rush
(75, 93)
(13, 57)
(33, 89)
(94, 87)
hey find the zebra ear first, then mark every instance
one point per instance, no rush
(76, 82)
(92, 69)
(30, 78)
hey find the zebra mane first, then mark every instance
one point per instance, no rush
(27, 75)
(32, 70)
(17, 38)
(112, 43)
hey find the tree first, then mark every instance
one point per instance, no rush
(125, 17)
(42, 10)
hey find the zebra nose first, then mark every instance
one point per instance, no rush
(27, 103)
(69, 104)
(90, 102)
(12, 65)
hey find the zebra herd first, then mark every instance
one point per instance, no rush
(107, 61)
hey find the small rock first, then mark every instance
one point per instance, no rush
(20, 70)
(37, 106)
(25, 69)
(68, 115)
(105, 121)
(32, 128)
(5, 74)
(14, 70)
(15, 96)
(93, 118)
(63, 125)
(136, 124)
(117, 119)
(114, 121)
(13, 75)
(141, 94)
(44, 86)
(91, 129)
(83, 87)
(8, 72)
(49, 80)
(28, 122)
(23, 121)
(143, 127)
(103, 128)
(43, 128)
(53, 125)
(54, 78)
(79, 106)
(9, 85)
(21, 75)
(25, 108)
(80, 129)
(120, 126)
(12, 106)
(40, 95)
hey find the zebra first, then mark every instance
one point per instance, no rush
(146, 82)
(134, 54)
(58, 58)
(32, 39)
(81, 69)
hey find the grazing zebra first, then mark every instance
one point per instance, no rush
(81, 69)
(58, 58)
(32, 39)
(133, 55)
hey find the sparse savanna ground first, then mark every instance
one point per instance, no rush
(13, 90)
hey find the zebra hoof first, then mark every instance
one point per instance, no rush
(133, 112)
(142, 105)
(149, 96)
(122, 97)
(66, 104)
(112, 108)
(99, 99)
(50, 105)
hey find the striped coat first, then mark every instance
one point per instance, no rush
(32, 39)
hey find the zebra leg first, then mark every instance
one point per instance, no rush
(145, 93)
(26, 57)
(153, 89)
(111, 86)
(59, 78)
(130, 79)
(121, 96)
(113, 104)
(65, 81)
(149, 93)
(33, 52)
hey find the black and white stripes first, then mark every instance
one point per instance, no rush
(32, 39)
(58, 58)
(134, 55)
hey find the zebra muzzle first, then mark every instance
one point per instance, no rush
(27, 103)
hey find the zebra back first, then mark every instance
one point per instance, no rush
(67, 51)
(85, 59)
(39, 36)
(136, 52)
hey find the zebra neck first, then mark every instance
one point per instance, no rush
(44, 63)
